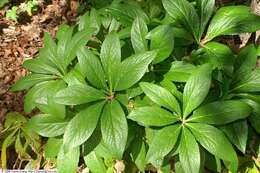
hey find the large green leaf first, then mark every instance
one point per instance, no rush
(74, 77)
(47, 125)
(64, 35)
(160, 147)
(245, 62)
(80, 128)
(62, 30)
(249, 82)
(104, 151)
(53, 108)
(124, 34)
(152, 116)
(219, 56)
(161, 96)
(111, 56)
(253, 97)
(178, 167)
(78, 40)
(52, 147)
(180, 71)
(110, 51)
(185, 13)
(232, 20)
(30, 80)
(95, 163)
(258, 51)
(91, 67)
(114, 128)
(150, 134)
(114, 26)
(138, 32)
(214, 141)
(37, 65)
(162, 40)
(93, 141)
(126, 13)
(170, 86)
(43, 93)
(254, 102)
(78, 94)
(138, 152)
(196, 89)
(68, 162)
(205, 9)
(132, 70)
(189, 152)
(90, 20)
(181, 33)
(237, 133)
(221, 112)
(49, 53)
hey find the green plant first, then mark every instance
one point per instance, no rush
(190, 125)
(27, 144)
(11, 14)
(150, 87)
(29, 6)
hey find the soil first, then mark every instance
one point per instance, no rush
(21, 40)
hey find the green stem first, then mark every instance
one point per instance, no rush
(7, 142)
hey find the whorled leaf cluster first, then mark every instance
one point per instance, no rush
(148, 83)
